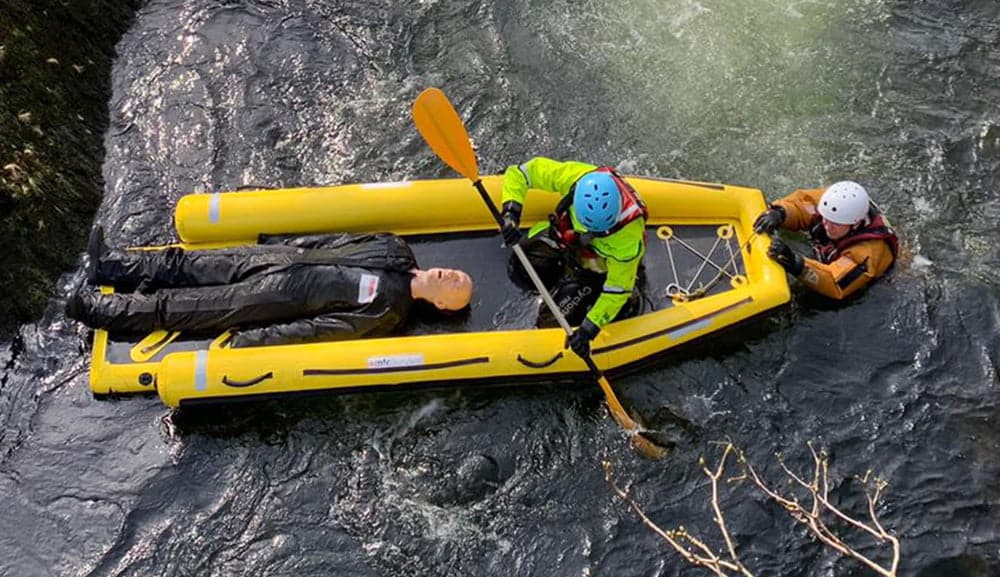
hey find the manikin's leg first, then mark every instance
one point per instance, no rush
(147, 271)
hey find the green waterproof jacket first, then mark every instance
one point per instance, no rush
(621, 252)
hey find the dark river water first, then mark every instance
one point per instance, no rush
(216, 95)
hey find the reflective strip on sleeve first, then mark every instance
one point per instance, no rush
(524, 172)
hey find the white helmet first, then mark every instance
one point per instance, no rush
(845, 202)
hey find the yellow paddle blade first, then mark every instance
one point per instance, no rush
(444, 131)
(648, 448)
(642, 444)
(617, 410)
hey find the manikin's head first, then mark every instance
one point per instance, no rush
(843, 206)
(445, 288)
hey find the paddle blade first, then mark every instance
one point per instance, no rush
(641, 443)
(615, 406)
(442, 128)
(649, 448)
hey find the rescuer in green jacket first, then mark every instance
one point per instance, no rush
(598, 228)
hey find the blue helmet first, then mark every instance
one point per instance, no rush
(597, 201)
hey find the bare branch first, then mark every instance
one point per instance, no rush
(819, 493)
(704, 557)
(698, 553)
(714, 476)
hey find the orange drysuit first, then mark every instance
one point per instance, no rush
(843, 266)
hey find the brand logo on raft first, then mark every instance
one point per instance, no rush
(391, 361)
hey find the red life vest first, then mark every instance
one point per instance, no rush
(828, 250)
(632, 208)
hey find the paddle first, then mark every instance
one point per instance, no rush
(442, 128)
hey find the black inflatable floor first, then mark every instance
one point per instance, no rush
(693, 260)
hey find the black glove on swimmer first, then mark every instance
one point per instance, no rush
(786, 257)
(769, 220)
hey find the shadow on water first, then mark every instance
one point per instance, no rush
(961, 566)
(55, 83)
(645, 395)
(275, 418)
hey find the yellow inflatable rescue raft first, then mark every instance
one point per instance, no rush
(705, 271)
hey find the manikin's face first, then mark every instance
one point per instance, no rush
(447, 289)
(835, 231)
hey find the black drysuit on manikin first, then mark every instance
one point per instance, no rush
(282, 290)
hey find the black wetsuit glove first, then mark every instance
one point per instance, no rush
(510, 218)
(769, 220)
(786, 257)
(579, 341)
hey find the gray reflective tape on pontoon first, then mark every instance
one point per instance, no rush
(214, 203)
(201, 371)
(688, 329)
